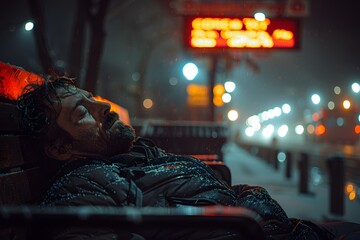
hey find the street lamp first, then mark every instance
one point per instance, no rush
(315, 98)
(190, 70)
(249, 131)
(286, 108)
(268, 130)
(229, 86)
(29, 26)
(226, 97)
(299, 129)
(283, 130)
(346, 104)
(355, 87)
(233, 115)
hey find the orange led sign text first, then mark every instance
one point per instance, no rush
(239, 33)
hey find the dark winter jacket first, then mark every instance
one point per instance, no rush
(148, 176)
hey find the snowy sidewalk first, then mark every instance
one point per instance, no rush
(248, 169)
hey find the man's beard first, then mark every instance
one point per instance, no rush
(121, 136)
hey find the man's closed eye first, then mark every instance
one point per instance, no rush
(81, 113)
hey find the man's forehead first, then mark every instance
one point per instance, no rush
(64, 92)
(66, 97)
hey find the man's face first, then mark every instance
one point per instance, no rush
(94, 130)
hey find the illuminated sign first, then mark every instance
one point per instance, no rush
(241, 33)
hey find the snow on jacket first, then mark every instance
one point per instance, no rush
(148, 176)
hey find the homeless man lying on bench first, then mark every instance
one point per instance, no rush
(91, 153)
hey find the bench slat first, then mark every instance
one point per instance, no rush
(20, 187)
(9, 118)
(18, 151)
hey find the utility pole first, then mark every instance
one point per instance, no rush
(212, 78)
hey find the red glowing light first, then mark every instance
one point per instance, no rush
(320, 130)
(357, 129)
(13, 79)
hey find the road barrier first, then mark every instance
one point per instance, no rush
(288, 165)
(337, 167)
(303, 166)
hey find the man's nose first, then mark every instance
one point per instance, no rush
(103, 108)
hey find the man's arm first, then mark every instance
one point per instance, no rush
(92, 185)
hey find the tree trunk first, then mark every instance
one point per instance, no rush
(37, 14)
(78, 39)
(96, 45)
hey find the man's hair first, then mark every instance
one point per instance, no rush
(37, 108)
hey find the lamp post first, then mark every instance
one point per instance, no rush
(212, 75)
(190, 70)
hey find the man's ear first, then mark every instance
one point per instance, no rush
(59, 150)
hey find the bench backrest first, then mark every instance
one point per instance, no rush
(193, 138)
(19, 159)
(20, 182)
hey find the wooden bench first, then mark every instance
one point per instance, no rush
(20, 158)
(21, 186)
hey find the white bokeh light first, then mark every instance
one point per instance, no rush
(264, 116)
(346, 104)
(259, 16)
(256, 127)
(253, 120)
(283, 130)
(286, 108)
(331, 105)
(29, 26)
(271, 113)
(249, 131)
(337, 90)
(229, 86)
(226, 97)
(268, 130)
(355, 87)
(315, 98)
(190, 70)
(299, 129)
(233, 115)
(277, 111)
